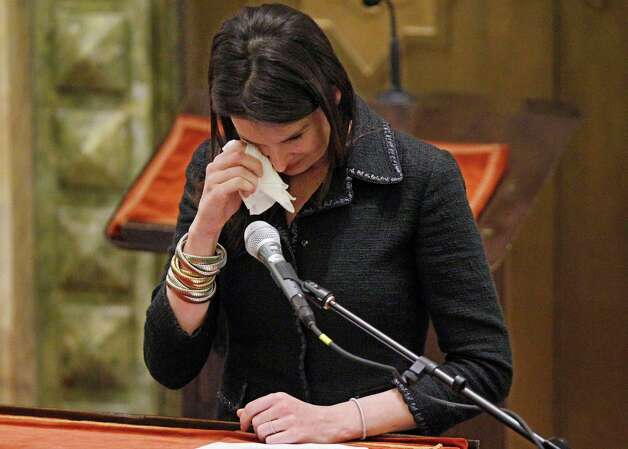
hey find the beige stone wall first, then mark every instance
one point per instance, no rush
(17, 333)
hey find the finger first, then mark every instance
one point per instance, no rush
(272, 427)
(225, 175)
(286, 436)
(263, 417)
(245, 420)
(253, 408)
(233, 145)
(260, 404)
(279, 438)
(233, 158)
(231, 186)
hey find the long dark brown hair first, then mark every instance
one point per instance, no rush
(273, 64)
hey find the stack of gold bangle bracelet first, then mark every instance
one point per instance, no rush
(193, 278)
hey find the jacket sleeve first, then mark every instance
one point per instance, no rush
(172, 356)
(462, 302)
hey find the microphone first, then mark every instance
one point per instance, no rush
(262, 242)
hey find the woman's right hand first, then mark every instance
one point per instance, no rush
(230, 173)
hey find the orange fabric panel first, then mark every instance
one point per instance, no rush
(24, 432)
(482, 166)
(154, 196)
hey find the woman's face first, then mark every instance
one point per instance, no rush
(293, 148)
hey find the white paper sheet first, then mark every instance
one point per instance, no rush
(274, 446)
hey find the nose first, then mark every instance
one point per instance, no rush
(278, 159)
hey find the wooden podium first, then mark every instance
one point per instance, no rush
(30, 428)
(536, 136)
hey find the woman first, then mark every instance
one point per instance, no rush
(380, 218)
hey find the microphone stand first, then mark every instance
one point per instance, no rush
(396, 95)
(325, 300)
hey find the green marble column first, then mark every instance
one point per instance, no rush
(106, 79)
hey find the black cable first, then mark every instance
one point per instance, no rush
(533, 437)
(343, 352)
(393, 371)
(537, 442)
(449, 403)
(383, 367)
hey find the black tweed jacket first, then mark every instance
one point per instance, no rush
(395, 240)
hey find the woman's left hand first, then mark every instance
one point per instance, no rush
(281, 418)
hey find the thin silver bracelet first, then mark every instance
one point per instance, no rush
(362, 419)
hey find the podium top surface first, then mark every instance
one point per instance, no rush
(33, 428)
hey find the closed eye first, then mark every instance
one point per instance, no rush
(293, 138)
(289, 139)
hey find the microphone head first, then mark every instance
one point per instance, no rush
(258, 234)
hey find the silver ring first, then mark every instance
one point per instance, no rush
(272, 428)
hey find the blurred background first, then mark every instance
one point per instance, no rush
(90, 88)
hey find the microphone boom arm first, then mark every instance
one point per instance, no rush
(325, 300)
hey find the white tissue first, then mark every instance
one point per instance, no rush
(270, 187)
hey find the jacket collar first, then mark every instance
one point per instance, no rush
(373, 158)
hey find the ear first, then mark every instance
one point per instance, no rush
(338, 95)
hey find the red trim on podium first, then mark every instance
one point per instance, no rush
(27, 432)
